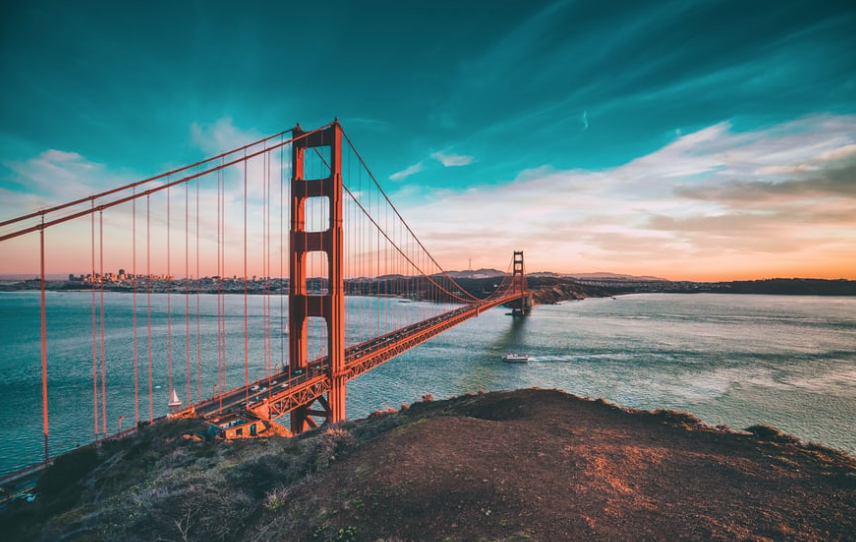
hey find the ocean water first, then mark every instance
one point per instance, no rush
(741, 360)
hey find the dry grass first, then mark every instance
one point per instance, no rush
(529, 465)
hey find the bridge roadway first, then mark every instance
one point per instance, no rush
(279, 394)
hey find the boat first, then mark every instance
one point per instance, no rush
(174, 401)
(515, 358)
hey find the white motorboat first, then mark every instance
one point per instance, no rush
(515, 358)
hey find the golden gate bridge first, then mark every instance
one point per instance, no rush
(228, 215)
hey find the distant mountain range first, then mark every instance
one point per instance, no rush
(600, 275)
(15, 277)
(476, 274)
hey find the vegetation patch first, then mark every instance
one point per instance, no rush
(500, 466)
(677, 418)
(771, 434)
(60, 486)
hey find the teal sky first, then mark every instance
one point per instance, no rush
(683, 139)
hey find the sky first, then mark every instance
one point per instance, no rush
(705, 140)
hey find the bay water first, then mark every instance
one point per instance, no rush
(737, 360)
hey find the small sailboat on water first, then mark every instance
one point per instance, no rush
(174, 402)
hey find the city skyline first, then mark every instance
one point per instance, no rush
(701, 141)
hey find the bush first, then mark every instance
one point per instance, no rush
(334, 442)
(60, 485)
(683, 419)
(201, 508)
(771, 434)
(348, 534)
(277, 498)
(381, 413)
(66, 470)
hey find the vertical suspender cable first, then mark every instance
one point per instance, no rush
(378, 271)
(266, 266)
(219, 295)
(134, 289)
(221, 263)
(224, 386)
(281, 249)
(44, 333)
(187, 287)
(168, 297)
(270, 263)
(94, 328)
(198, 294)
(246, 320)
(363, 258)
(103, 359)
(386, 271)
(149, 299)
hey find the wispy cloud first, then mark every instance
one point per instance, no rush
(407, 172)
(706, 205)
(220, 136)
(443, 157)
(838, 182)
(452, 160)
(53, 176)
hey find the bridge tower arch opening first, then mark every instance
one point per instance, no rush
(306, 238)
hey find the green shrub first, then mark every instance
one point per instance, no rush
(334, 442)
(276, 499)
(59, 487)
(347, 534)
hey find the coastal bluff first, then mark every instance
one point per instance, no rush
(535, 465)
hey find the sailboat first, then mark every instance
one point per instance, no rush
(174, 402)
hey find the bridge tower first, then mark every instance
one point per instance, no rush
(302, 304)
(523, 306)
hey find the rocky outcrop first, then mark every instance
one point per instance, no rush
(549, 291)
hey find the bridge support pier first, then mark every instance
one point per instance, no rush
(301, 304)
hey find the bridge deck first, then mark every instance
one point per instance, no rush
(281, 393)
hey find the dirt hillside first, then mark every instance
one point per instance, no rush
(528, 465)
(546, 466)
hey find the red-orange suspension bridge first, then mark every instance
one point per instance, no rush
(344, 239)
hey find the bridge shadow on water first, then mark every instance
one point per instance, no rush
(512, 339)
(487, 370)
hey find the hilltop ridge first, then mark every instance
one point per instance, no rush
(527, 465)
